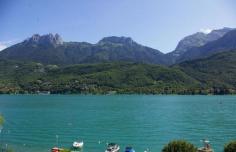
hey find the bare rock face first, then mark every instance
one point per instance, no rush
(223, 44)
(199, 39)
(45, 40)
(58, 39)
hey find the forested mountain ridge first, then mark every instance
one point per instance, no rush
(190, 77)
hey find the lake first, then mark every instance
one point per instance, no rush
(142, 121)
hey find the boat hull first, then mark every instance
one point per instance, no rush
(205, 150)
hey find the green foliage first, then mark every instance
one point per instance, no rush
(121, 77)
(216, 73)
(213, 75)
(1, 120)
(3, 149)
(230, 147)
(65, 150)
(179, 146)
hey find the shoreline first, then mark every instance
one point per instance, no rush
(117, 94)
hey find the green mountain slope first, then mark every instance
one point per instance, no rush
(93, 78)
(217, 72)
(213, 75)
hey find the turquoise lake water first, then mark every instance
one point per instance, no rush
(142, 121)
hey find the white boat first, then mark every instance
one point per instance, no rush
(112, 147)
(206, 146)
(78, 144)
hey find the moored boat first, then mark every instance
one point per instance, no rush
(56, 149)
(129, 149)
(77, 146)
(206, 146)
(112, 147)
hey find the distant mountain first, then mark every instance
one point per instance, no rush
(50, 49)
(196, 40)
(225, 43)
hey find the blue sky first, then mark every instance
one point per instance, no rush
(156, 23)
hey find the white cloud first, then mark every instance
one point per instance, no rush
(206, 31)
(5, 44)
(2, 46)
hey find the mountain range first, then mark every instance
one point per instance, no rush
(200, 64)
(51, 49)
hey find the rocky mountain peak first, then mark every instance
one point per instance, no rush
(47, 40)
(199, 39)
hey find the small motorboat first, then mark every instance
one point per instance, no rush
(112, 147)
(56, 149)
(206, 146)
(129, 149)
(78, 144)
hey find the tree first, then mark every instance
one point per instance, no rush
(1, 120)
(230, 147)
(1, 126)
(179, 146)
